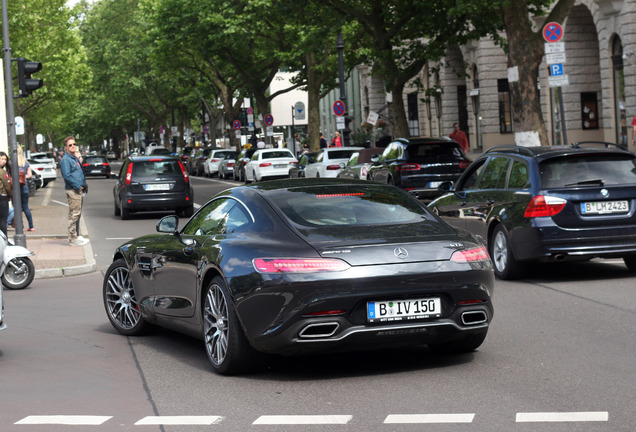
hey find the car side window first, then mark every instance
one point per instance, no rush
(386, 154)
(320, 156)
(495, 174)
(210, 219)
(519, 176)
(122, 172)
(470, 180)
(236, 219)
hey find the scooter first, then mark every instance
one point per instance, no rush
(19, 270)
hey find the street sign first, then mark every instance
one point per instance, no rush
(558, 81)
(19, 125)
(551, 48)
(555, 58)
(340, 123)
(339, 108)
(269, 119)
(299, 111)
(250, 110)
(39, 138)
(373, 117)
(556, 69)
(237, 124)
(552, 32)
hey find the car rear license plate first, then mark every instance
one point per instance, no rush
(434, 185)
(280, 165)
(604, 207)
(96, 171)
(402, 310)
(157, 187)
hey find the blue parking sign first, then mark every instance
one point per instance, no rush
(556, 69)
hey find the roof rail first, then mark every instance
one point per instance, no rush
(511, 149)
(604, 143)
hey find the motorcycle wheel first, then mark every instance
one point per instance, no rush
(18, 274)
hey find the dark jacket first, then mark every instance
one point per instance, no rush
(72, 172)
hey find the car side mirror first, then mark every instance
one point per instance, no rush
(375, 158)
(168, 224)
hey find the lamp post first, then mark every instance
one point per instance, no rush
(343, 95)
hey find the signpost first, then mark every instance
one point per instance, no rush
(555, 58)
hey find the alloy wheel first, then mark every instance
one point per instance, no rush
(121, 303)
(216, 324)
(500, 251)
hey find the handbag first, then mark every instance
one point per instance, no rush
(22, 178)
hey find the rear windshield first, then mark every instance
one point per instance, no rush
(224, 154)
(435, 151)
(330, 212)
(341, 154)
(588, 169)
(150, 168)
(95, 159)
(161, 151)
(276, 154)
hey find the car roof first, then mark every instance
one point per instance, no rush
(145, 158)
(546, 152)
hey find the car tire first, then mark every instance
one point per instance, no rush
(465, 344)
(120, 301)
(117, 210)
(504, 263)
(227, 347)
(125, 213)
(630, 262)
(222, 175)
(18, 274)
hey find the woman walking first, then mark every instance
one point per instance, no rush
(24, 174)
(5, 192)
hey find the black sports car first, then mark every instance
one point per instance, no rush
(305, 265)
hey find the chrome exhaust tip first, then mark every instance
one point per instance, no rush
(319, 330)
(474, 317)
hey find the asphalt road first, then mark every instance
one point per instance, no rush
(559, 357)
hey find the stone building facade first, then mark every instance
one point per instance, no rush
(599, 102)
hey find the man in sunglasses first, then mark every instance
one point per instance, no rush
(75, 185)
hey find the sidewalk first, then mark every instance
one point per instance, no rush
(49, 242)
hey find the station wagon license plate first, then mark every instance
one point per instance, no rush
(280, 165)
(402, 310)
(604, 207)
(157, 187)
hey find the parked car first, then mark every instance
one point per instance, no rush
(46, 170)
(111, 155)
(359, 163)
(96, 166)
(547, 204)
(35, 182)
(150, 183)
(226, 167)
(307, 265)
(267, 164)
(239, 166)
(328, 161)
(42, 157)
(419, 165)
(213, 161)
(197, 159)
(298, 171)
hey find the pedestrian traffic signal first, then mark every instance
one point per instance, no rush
(26, 83)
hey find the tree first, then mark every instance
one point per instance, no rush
(525, 48)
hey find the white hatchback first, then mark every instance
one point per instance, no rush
(329, 161)
(268, 163)
(46, 170)
(213, 162)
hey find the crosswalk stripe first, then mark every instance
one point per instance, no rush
(301, 419)
(429, 418)
(84, 420)
(583, 416)
(179, 420)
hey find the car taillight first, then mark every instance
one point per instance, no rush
(186, 177)
(214, 160)
(542, 206)
(105, 164)
(129, 173)
(265, 164)
(84, 164)
(293, 163)
(230, 164)
(333, 167)
(470, 255)
(407, 167)
(298, 265)
(464, 164)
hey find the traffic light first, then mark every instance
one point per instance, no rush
(26, 83)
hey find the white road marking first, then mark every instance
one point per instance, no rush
(60, 202)
(302, 419)
(583, 416)
(179, 420)
(65, 420)
(429, 418)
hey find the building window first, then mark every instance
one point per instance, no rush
(505, 107)
(414, 123)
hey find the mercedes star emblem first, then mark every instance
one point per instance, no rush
(400, 252)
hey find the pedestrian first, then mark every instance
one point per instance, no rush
(336, 141)
(75, 185)
(459, 137)
(323, 142)
(5, 192)
(24, 173)
(260, 144)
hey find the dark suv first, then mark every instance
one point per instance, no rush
(547, 204)
(149, 183)
(419, 165)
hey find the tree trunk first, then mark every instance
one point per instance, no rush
(399, 124)
(314, 83)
